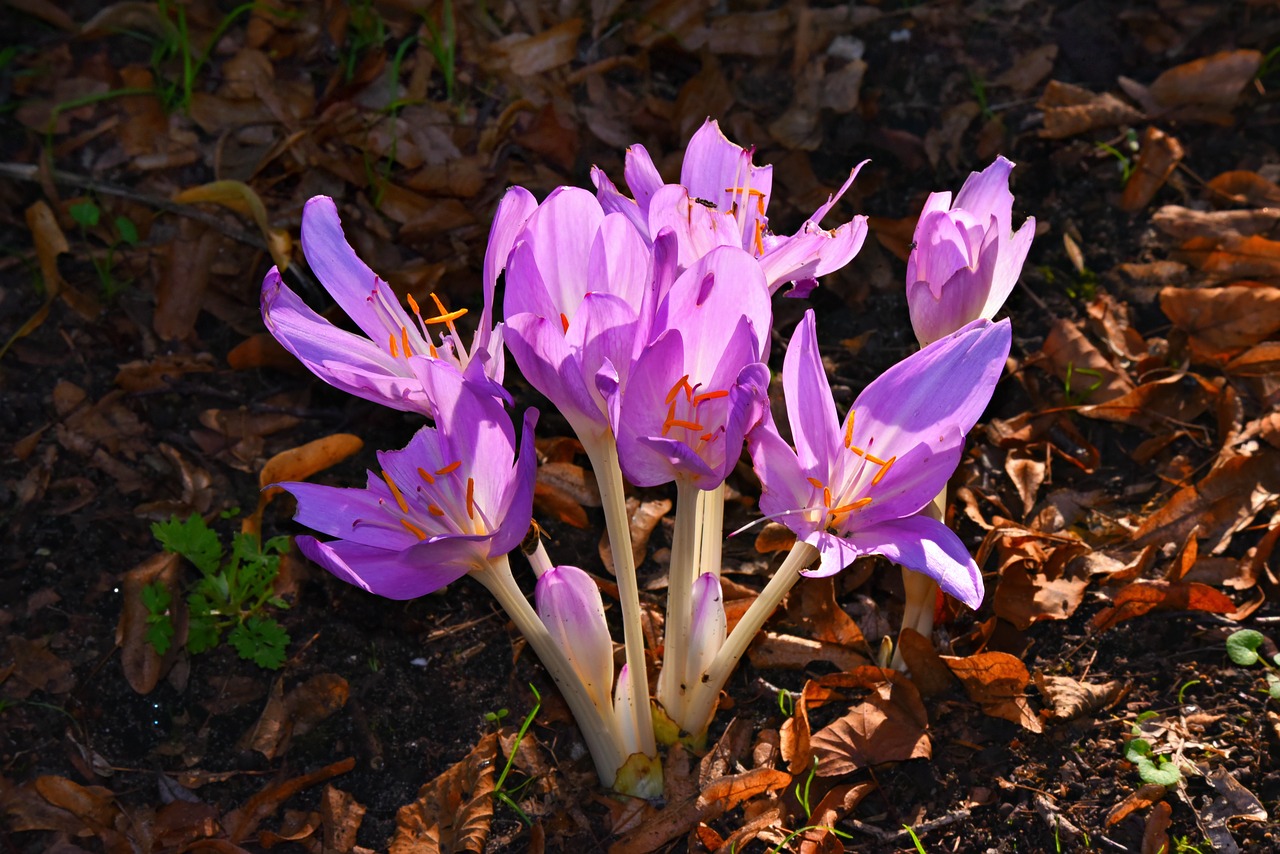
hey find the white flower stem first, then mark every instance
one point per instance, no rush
(599, 726)
(673, 687)
(711, 531)
(603, 453)
(539, 560)
(702, 702)
(921, 591)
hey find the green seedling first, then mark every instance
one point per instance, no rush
(1124, 159)
(802, 795)
(88, 215)
(444, 47)
(1151, 768)
(978, 87)
(1243, 646)
(500, 791)
(1067, 390)
(915, 840)
(231, 597)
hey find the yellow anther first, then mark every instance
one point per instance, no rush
(395, 492)
(414, 529)
(884, 468)
(426, 475)
(453, 466)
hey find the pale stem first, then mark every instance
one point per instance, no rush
(603, 454)
(711, 531)
(599, 725)
(673, 682)
(539, 559)
(921, 591)
(706, 694)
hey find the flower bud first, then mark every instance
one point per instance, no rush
(707, 631)
(569, 604)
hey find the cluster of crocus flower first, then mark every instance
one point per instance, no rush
(646, 321)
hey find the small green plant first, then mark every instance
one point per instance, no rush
(978, 87)
(802, 795)
(1124, 159)
(500, 791)
(1182, 690)
(786, 702)
(444, 46)
(1069, 393)
(88, 215)
(915, 840)
(230, 598)
(1151, 768)
(1243, 648)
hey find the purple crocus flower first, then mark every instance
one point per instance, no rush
(700, 384)
(722, 200)
(377, 365)
(455, 497)
(579, 296)
(966, 257)
(853, 489)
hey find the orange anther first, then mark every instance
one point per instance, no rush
(688, 425)
(445, 316)
(848, 431)
(404, 339)
(471, 498)
(817, 484)
(759, 237)
(391, 343)
(826, 497)
(707, 437)
(874, 460)
(884, 468)
(413, 304)
(682, 383)
(395, 491)
(414, 529)
(426, 475)
(431, 348)
(434, 510)
(564, 322)
(847, 508)
(709, 395)
(453, 466)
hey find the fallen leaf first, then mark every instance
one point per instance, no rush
(158, 372)
(889, 725)
(1024, 597)
(243, 199)
(1252, 257)
(771, 649)
(1224, 318)
(1159, 405)
(1027, 475)
(996, 681)
(1227, 498)
(929, 673)
(295, 714)
(1028, 70)
(1070, 110)
(1187, 223)
(526, 56)
(1139, 800)
(1215, 80)
(243, 821)
(303, 461)
(1089, 376)
(1071, 699)
(1244, 187)
(732, 790)
(341, 815)
(180, 289)
(1143, 597)
(1158, 155)
(1155, 839)
(35, 668)
(643, 518)
(143, 666)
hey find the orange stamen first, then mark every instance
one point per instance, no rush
(682, 383)
(431, 348)
(404, 339)
(434, 510)
(564, 322)
(391, 342)
(471, 498)
(453, 466)
(848, 508)
(413, 304)
(414, 529)
(884, 468)
(445, 316)
(857, 450)
(848, 431)
(707, 437)
(395, 491)
(426, 475)
(817, 484)
(709, 395)
(826, 497)
(874, 460)
(759, 238)
(688, 425)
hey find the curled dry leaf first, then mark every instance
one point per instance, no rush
(303, 461)
(643, 518)
(1230, 495)
(789, 652)
(1158, 155)
(1252, 257)
(1070, 110)
(1070, 699)
(1143, 597)
(1144, 797)
(997, 682)
(295, 714)
(1224, 318)
(732, 790)
(1243, 187)
(889, 725)
(1215, 80)
(180, 289)
(1070, 354)
(1185, 223)
(243, 821)
(341, 815)
(1155, 839)
(243, 199)
(526, 56)
(1160, 405)
(1024, 597)
(929, 673)
(157, 373)
(35, 668)
(453, 811)
(1029, 70)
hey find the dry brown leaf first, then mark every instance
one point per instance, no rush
(1258, 361)
(1160, 405)
(1244, 187)
(50, 243)
(1139, 800)
(156, 373)
(1027, 475)
(1024, 597)
(929, 673)
(1155, 839)
(262, 350)
(526, 56)
(643, 519)
(95, 806)
(1252, 257)
(35, 668)
(1158, 155)
(813, 605)
(1093, 378)
(243, 199)
(1224, 318)
(180, 289)
(551, 500)
(453, 811)
(1028, 70)
(1069, 110)
(889, 725)
(143, 666)
(1143, 597)
(341, 815)
(1185, 223)
(733, 790)
(794, 739)
(295, 714)
(771, 649)
(1071, 699)
(774, 537)
(1215, 80)
(1231, 494)
(996, 681)
(242, 822)
(303, 461)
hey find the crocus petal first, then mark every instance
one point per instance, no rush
(698, 229)
(561, 232)
(667, 458)
(721, 172)
(1009, 267)
(393, 574)
(941, 249)
(927, 546)
(517, 205)
(349, 362)
(722, 285)
(356, 515)
(613, 201)
(810, 253)
(641, 175)
(516, 503)
(539, 348)
(810, 410)
(986, 194)
(625, 712)
(569, 605)
(786, 490)
(959, 301)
